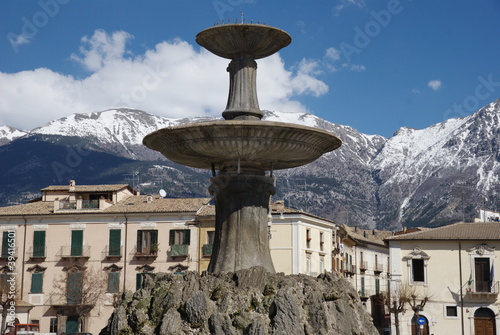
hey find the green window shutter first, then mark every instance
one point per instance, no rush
(171, 240)
(36, 282)
(113, 282)
(5, 244)
(154, 236)
(138, 281)
(187, 236)
(74, 288)
(139, 241)
(362, 286)
(377, 286)
(76, 242)
(39, 243)
(115, 242)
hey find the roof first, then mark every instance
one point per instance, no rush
(209, 210)
(87, 188)
(371, 236)
(456, 231)
(132, 204)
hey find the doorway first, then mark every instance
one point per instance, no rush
(72, 325)
(484, 322)
(417, 329)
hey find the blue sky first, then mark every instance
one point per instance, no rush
(373, 65)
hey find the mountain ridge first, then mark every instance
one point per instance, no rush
(409, 179)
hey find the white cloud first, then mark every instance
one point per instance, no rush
(333, 54)
(172, 80)
(435, 84)
(343, 4)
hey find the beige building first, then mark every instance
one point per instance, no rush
(366, 264)
(79, 246)
(454, 267)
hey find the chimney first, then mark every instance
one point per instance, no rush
(150, 198)
(72, 185)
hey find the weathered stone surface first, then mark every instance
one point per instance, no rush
(248, 302)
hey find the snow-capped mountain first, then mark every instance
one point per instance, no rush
(8, 134)
(421, 177)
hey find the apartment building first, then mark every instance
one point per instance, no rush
(367, 266)
(450, 271)
(79, 246)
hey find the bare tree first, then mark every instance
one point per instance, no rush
(81, 289)
(417, 304)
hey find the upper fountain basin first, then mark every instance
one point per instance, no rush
(261, 144)
(240, 39)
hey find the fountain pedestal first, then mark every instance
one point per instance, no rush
(241, 222)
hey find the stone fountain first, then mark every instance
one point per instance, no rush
(242, 151)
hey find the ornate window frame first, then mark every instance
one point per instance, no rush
(417, 253)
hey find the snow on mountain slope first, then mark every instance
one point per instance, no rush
(8, 134)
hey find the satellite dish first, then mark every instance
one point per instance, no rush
(163, 193)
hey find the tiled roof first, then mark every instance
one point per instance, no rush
(139, 204)
(372, 236)
(457, 231)
(132, 204)
(86, 188)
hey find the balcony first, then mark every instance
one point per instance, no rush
(112, 253)
(179, 250)
(146, 253)
(8, 254)
(74, 252)
(363, 266)
(206, 250)
(81, 205)
(484, 290)
(379, 268)
(37, 253)
(350, 269)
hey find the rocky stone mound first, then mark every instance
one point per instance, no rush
(250, 302)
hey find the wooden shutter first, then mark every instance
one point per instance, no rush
(115, 242)
(5, 244)
(74, 288)
(171, 240)
(39, 243)
(187, 237)
(138, 281)
(139, 241)
(154, 237)
(76, 242)
(36, 282)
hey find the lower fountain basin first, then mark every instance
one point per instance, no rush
(261, 145)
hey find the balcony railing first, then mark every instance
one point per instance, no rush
(379, 268)
(36, 252)
(112, 252)
(90, 204)
(77, 205)
(206, 249)
(350, 269)
(74, 251)
(144, 252)
(363, 266)
(482, 288)
(179, 250)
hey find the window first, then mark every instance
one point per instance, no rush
(483, 274)
(147, 242)
(210, 237)
(37, 282)
(308, 238)
(180, 236)
(417, 270)
(139, 278)
(39, 243)
(115, 242)
(451, 311)
(76, 242)
(377, 286)
(321, 265)
(308, 265)
(53, 325)
(113, 282)
(321, 242)
(74, 288)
